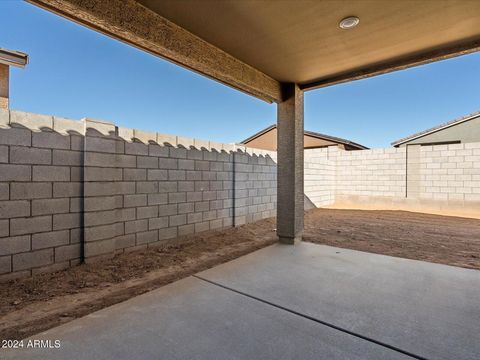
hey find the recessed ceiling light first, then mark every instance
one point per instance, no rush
(349, 22)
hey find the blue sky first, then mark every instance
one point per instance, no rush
(75, 72)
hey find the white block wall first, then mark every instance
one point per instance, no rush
(319, 176)
(443, 179)
(375, 172)
(450, 172)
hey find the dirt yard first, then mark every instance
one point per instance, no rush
(440, 239)
(29, 306)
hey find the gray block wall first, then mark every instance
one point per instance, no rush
(140, 192)
(41, 160)
(73, 190)
(85, 190)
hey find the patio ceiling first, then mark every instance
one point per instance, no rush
(255, 46)
(301, 42)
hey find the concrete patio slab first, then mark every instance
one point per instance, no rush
(427, 309)
(193, 319)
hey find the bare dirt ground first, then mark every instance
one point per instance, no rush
(29, 306)
(440, 239)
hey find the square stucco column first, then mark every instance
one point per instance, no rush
(290, 165)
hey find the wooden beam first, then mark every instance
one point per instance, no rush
(399, 64)
(130, 22)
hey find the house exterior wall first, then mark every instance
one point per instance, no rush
(268, 141)
(466, 132)
(4, 86)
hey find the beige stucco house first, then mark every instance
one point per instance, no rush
(9, 58)
(267, 139)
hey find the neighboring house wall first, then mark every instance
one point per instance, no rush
(313, 142)
(466, 132)
(268, 141)
(4, 86)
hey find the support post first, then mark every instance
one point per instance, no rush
(290, 133)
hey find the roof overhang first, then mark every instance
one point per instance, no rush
(260, 133)
(255, 46)
(436, 129)
(312, 134)
(336, 139)
(13, 58)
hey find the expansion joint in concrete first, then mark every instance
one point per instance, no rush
(308, 317)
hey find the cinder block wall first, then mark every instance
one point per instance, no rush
(375, 172)
(73, 190)
(87, 189)
(255, 186)
(143, 189)
(440, 179)
(41, 161)
(450, 173)
(443, 179)
(320, 176)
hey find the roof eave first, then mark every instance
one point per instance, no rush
(260, 133)
(436, 129)
(13, 58)
(309, 133)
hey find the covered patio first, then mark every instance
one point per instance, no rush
(276, 51)
(304, 301)
(307, 302)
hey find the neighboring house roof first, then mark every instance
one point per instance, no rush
(309, 133)
(437, 128)
(13, 58)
